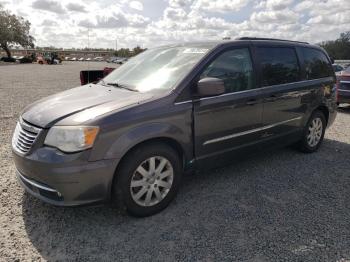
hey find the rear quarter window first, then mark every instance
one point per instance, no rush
(316, 64)
(279, 65)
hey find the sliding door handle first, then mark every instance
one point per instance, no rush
(251, 102)
(272, 98)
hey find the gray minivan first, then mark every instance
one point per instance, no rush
(130, 137)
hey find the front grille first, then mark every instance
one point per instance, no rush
(24, 136)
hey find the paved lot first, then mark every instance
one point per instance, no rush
(278, 206)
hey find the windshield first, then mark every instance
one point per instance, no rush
(158, 68)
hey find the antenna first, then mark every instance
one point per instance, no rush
(88, 65)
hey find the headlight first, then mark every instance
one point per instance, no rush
(71, 138)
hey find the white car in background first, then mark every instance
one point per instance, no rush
(99, 59)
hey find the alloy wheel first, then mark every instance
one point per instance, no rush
(151, 181)
(315, 132)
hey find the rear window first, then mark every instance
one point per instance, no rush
(279, 65)
(316, 64)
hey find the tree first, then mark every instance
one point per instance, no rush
(123, 52)
(137, 50)
(14, 30)
(339, 48)
(126, 52)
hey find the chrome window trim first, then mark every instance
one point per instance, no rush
(35, 184)
(254, 89)
(344, 82)
(183, 102)
(343, 90)
(219, 139)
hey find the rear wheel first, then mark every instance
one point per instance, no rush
(313, 133)
(148, 179)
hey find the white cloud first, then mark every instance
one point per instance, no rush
(112, 17)
(179, 3)
(64, 23)
(285, 17)
(115, 21)
(275, 4)
(174, 13)
(49, 5)
(76, 7)
(48, 22)
(136, 5)
(221, 6)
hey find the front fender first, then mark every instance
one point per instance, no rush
(149, 131)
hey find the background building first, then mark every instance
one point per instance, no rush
(64, 53)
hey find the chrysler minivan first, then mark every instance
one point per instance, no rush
(131, 136)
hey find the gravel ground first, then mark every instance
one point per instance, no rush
(278, 206)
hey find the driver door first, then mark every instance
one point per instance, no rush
(232, 120)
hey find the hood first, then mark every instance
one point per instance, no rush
(89, 100)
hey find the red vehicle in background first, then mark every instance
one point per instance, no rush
(344, 86)
(92, 76)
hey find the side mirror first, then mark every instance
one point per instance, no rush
(210, 86)
(332, 60)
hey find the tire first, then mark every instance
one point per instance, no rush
(307, 144)
(142, 192)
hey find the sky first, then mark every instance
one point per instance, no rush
(149, 23)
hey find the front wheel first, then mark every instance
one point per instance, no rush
(148, 179)
(313, 133)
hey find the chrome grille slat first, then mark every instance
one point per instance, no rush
(19, 147)
(24, 150)
(28, 135)
(23, 145)
(24, 136)
(25, 142)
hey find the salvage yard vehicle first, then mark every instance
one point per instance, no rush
(131, 136)
(344, 86)
(49, 58)
(99, 59)
(337, 68)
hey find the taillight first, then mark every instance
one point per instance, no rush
(337, 86)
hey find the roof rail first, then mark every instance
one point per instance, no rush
(270, 39)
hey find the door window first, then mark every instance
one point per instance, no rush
(235, 68)
(279, 65)
(316, 64)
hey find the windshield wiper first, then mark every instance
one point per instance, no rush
(121, 86)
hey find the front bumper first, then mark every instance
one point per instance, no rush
(65, 179)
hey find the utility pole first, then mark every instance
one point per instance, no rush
(116, 45)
